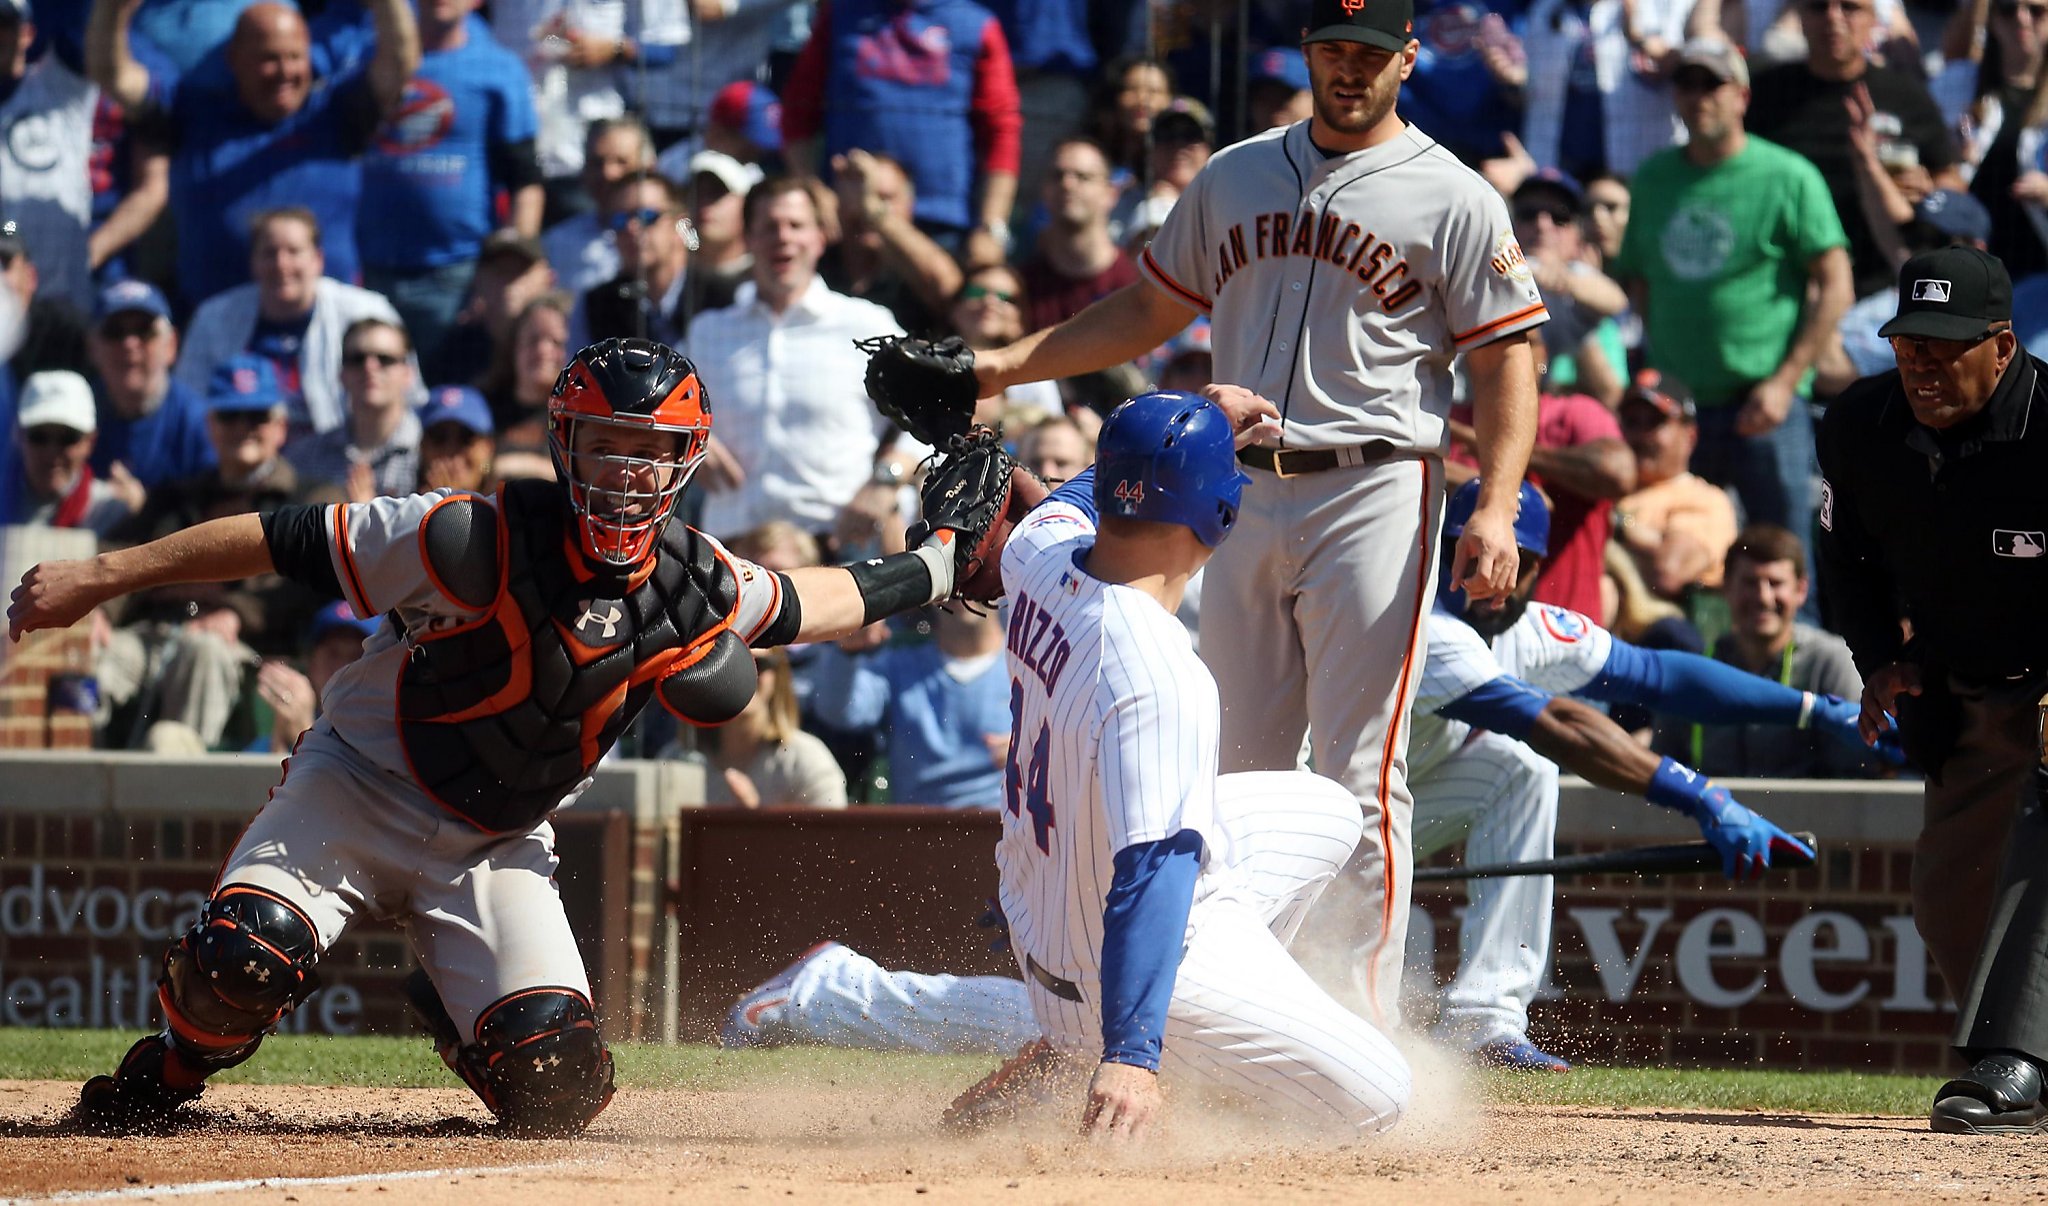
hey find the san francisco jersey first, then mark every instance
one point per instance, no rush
(1553, 648)
(1114, 741)
(376, 547)
(1343, 286)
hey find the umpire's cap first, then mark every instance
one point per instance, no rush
(1532, 518)
(1170, 457)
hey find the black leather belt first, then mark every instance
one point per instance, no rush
(1293, 462)
(1063, 989)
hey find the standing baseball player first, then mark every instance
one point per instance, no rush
(1345, 262)
(521, 635)
(1149, 902)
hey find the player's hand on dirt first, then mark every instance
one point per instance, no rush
(1841, 720)
(291, 698)
(1254, 419)
(1744, 839)
(1122, 1101)
(55, 594)
(1485, 561)
(1770, 400)
(1881, 693)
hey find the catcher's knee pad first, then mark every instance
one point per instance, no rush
(246, 964)
(539, 1063)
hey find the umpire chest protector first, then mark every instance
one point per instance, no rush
(502, 716)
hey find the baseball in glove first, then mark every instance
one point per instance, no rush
(976, 493)
(927, 388)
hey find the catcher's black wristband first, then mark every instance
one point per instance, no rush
(901, 581)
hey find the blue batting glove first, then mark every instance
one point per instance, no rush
(1745, 840)
(1836, 718)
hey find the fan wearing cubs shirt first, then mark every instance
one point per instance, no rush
(1492, 726)
(1347, 263)
(520, 635)
(1150, 901)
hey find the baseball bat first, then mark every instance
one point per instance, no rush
(1682, 858)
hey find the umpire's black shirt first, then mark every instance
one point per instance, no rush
(1948, 528)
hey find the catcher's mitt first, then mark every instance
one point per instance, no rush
(976, 492)
(927, 388)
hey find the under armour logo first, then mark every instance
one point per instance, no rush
(610, 619)
(543, 1064)
(261, 973)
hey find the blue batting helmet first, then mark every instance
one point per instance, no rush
(1170, 457)
(1532, 535)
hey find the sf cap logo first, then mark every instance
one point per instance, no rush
(1930, 290)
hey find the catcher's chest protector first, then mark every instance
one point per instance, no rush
(503, 716)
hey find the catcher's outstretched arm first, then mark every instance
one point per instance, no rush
(1126, 324)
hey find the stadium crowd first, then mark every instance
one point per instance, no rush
(254, 255)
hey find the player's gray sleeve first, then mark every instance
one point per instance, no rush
(1174, 261)
(761, 597)
(1487, 288)
(1459, 662)
(1159, 739)
(380, 559)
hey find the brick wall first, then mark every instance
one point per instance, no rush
(25, 668)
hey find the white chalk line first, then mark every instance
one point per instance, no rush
(194, 1188)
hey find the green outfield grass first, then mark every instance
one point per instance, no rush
(410, 1063)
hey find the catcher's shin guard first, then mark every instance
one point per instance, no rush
(246, 964)
(538, 1062)
(153, 1080)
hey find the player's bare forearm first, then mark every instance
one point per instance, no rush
(57, 594)
(1503, 389)
(1126, 324)
(832, 603)
(998, 196)
(108, 60)
(1584, 741)
(1834, 291)
(1595, 469)
(138, 210)
(932, 273)
(528, 204)
(398, 51)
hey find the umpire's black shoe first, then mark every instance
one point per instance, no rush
(1999, 1095)
(135, 1098)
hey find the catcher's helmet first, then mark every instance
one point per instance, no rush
(1171, 458)
(621, 501)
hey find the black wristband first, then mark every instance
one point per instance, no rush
(891, 584)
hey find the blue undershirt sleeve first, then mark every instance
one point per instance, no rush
(1144, 925)
(1078, 491)
(1505, 705)
(1693, 687)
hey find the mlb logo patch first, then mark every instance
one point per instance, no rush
(1930, 290)
(1827, 505)
(2023, 545)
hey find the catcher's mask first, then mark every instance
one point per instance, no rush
(622, 501)
(1532, 537)
(1170, 457)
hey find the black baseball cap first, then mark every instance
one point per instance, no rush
(1665, 394)
(1387, 24)
(1951, 293)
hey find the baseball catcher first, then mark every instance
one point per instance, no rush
(521, 635)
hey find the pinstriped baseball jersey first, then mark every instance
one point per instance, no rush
(1114, 742)
(376, 549)
(1341, 287)
(1548, 647)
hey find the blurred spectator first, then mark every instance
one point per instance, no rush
(930, 85)
(1597, 100)
(1607, 206)
(1811, 107)
(511, 270)
(655, 295)
(148, 421)
(581, 247)
(1641, 618)
(944, 706)
(1546, 209)
(55, 487)
(1943, 218)
(277, 137)
(1187, 362)
(462, 133)
(761, 759)
(1582, 463)
(718, 194)
(1183, 137)
(1132, 93)
(46, 108)
(1054, 57)
(881, 255)
(1279, 94)
(52, 331)
(581, 54)
(1466, 91)
(292, 314)
(130, 170)
(377, 450)
(1056, 450)
(1675, 526)
(2012, 182)
(1739, 257)
(1766, 586)
(1077, 262)
(988, 312)
(523, 373)
(793, 416)
(456, 445)
(1990, 52)
(745, 122)
(730, 43)
(334, 640)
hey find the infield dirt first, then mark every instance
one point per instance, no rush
(877, 1143)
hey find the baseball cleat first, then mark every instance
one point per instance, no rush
(1999, 1095)
(1519, 1055)
(135, 1098)
(1030, 1078)
(755, 1019)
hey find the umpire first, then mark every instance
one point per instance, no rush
(1933, 548)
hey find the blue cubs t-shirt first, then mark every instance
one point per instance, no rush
(428, 196)
(228, 167)
(280, 343)
(1451, 96)
(164, 445)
